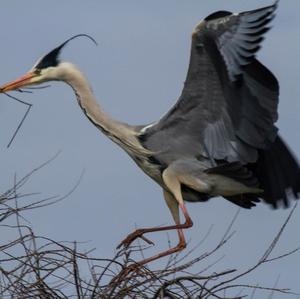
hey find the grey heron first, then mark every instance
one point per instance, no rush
(219, 139)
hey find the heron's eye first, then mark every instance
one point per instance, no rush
(37, 71)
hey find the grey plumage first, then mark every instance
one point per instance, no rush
(223, 109)
(219, 139)
(228, 105)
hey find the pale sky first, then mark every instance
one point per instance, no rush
(137, 73)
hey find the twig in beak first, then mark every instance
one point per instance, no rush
(22, 120)
(37, 87)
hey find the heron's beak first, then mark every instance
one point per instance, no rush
(27, 79)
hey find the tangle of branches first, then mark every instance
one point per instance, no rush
(33, 266)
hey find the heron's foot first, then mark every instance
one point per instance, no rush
(132, 237)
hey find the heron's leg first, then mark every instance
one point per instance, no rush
(174, 201)
(173, 206)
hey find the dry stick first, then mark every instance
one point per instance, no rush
(264, 257)
(227, 235)
(106, 268)
(201, 257)
(19, 277)
(146, 281)
(283, 291)
(138, 281)
(254, 291)
(40, 203)
(23, 241)
(62, 261)
(193, 278)
(275, 286)
(34, 88)
(25, 178)
(196, 246)
(22, 284)
(151, 281)
(22, 120)
(76, 274)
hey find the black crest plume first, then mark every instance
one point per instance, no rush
(52, 58)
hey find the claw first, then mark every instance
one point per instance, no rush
(147, 240)
(133, 236)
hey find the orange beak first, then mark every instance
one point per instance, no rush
(25, 80)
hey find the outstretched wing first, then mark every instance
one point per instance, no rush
(228, 105)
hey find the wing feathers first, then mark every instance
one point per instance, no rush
(236, 171)
(238, 36)
(227, 111)
(228, 106)
(229, 102)
(278, 173)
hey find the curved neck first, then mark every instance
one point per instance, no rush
(121, 133)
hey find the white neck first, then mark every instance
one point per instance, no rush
(121, 133)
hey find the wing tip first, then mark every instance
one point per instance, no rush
(217, 15)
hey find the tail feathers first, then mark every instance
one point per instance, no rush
(246, 201)
(279, 174)
(236, 171)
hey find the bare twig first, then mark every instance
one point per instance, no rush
(33, 266)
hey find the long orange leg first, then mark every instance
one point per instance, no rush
(173, 206)
(172, 177)
(181, 244)
(141, 231)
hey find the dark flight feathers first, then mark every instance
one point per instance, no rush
(228, 108)
(238, 36)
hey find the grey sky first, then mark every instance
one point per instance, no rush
(137, 73)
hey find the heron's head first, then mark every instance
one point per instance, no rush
(47, 68)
